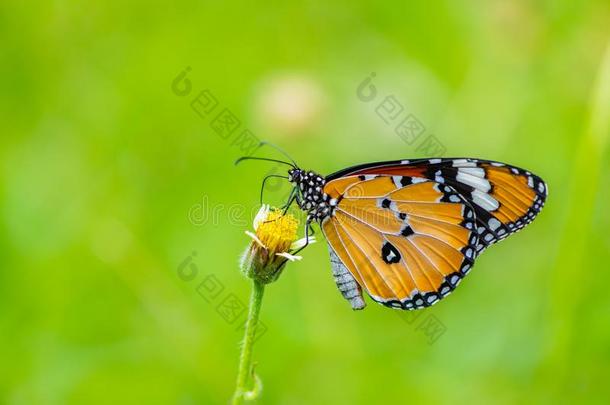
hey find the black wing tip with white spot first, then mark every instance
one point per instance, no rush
(489, 236)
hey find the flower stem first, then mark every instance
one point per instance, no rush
(245, 360)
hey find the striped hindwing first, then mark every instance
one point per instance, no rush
(407, 241)
(505, 198)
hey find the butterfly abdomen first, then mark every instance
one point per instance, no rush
(346, 283)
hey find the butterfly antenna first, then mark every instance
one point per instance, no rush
(282, 151)
(241, 159)
(265, 181)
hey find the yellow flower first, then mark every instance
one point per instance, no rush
(273, 242)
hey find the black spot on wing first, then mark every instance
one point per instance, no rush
(390, 254)
(407, 231)
(406, 180)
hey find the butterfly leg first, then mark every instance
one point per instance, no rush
(285, 207)
(307, 229)
(291, 198)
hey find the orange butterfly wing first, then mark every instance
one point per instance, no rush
(450, 207)
(407, 241)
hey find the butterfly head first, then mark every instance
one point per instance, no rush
(310, 187)
(310, 183)
(294, 176)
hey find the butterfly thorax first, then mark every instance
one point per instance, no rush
(310, 194)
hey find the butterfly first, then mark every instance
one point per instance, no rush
(407, 232)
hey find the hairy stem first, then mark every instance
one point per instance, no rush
(245, 360)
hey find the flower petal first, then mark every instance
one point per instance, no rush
(256, 239)
(288, 256)
(301, 242)
(261, 216)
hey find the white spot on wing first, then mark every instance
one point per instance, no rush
(463, 163)
(494, 224)
(396, 180)
(467, 176)
(416, 180)
(485, 201)
(474, 171)
(541, 187)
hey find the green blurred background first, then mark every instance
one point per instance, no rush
(110, 182)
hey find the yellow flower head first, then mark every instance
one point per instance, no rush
(278, 231)
(273, 240)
